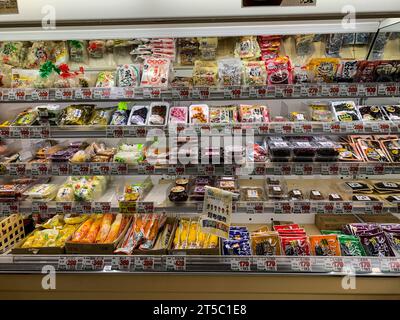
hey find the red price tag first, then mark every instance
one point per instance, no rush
(301, 264)
(334, 91)
(363, 265)
(128, 93)
(255, 207)
(119, 169)
(233, 92)
(352, 90)
(387, 89)
(335, 264)
(70, 264)
(241, 264)
(83, 93)
(282, 208)
(93, 263)
(16, 169)
(83, 207)
(60, 169)
(261, 92)
(20, 132)
(283, 169)
(259, 169)
(176, 263)
(80, 169)
(121, 263)
(100, 169)
(267, 264)
(201, 93)
(394, 266)
(144, 263)
(40, 94)
(176, 169)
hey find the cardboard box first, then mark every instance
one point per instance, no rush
(95, 248)
(334, 221)
(157, 252)
(380, 218)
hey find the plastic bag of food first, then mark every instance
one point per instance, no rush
(76, 115)
(247, 48)
(38, 54)
(96, 49)
(77, 51)
(5, 76)
(65, 193)
(26, 118)
(279, 71)
(255, 73)
(205, 74)
(12, 53)
(334, 44)
(128, 75)
(304, 44)
(101, 116)
(323, 69)
(59, 52)
(22, 78)
(230, 72)
(105, 79)
(156, 72)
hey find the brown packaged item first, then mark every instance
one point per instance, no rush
(334, 221)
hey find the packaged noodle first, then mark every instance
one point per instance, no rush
(12, 53)
(156, 72)
(205, 73)
(128, 75)
(105, 228)
(38, 53)
(255, 73)
(325, 245)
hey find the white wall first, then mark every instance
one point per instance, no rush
(30, 10)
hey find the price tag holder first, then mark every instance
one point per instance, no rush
(334, 90)
(303, 169)
(137, 131)
(17, 169)
(7, 208)
(100, 169)
(283, 169)
(202, 93)
(152, 93)
(267, 264)
(234, 92)
(115, 132)
(282, 207)
(128, 93)
(20, 132)
(4, 132)
(40, 94)
(289, 91)
(259, 169)
(176, 169)
(40, 132)
(39, 207)
(145, 263)
(387, 89)
(301, 207)
(64, 207)
(367, 90)
(146, 168)
(242, 264)
(347, 207)
(83, 207)
(93, 263)
(352, 90)
(207, 169)
(363, 265)
(64, 94)
(80, 169)
(258, 92)
(70, 263)
(324, 207)
(119, 169)
(255, 207)
(101, 207)
(102, 93)
(40, 169)
(334, 264)
(145, 207)
(175, 263)
(301, 264)
(61, 169)
(181, 93)
(331, 169)
(390, 265)
(121, 263)
(373, 207)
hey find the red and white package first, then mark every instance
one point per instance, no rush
(156, 72)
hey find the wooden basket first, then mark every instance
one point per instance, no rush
(11, 231)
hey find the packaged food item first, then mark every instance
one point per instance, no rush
(304, 44)
(371, 113)
(37, 54)
(105, 79)
(320, 111)
(198, 114)
(372, 151)
(270, 46)
(230, 72)
(22, 78)
(297, 116)
(366, 71)
(347, 71)
(303, 150)
(280, 151)
(279, 71)
(96, 49)
(12, 53)
(101, 116)
(208, 48)
(257, 153)
(351, 246)
(238, 243)
(323, 69)
(387, 71)
(296, 194)
(76, 115)
(116, 228)
(295, 246)
(156, 72)
(45, 192)
(335, 197)
(120, 117)
(77, 50)
(158, 113)
(247, 48)
(334, 44)
(265, 244)
(26, 118)
(178, 115)
(348, 152)
(253, 114)
(205, 74)
(392, 112)
(178, 194)
(316, 195)
(345, 111)
(325, 245)
(364, 198)
(252, 194)
(255, 73)
(128, 75)
(130, 154)
(139, 115)
(5, 75)
(59, 52)
(376, 245)
(189, 50)
(392, 149)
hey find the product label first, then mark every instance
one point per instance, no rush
(121, 263)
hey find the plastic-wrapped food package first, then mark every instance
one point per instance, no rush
(372, 151)
(255, 73)
(366, 71)
(131, 154)
(270, 46)
(387, 71)
(346, 71)
(199, 114)
(59, 52)
(247, 48)
(230, 72)
(320, 111)
(205, 73)
(101, 116)
(362, 38)
(279, 71)
(37, 54)
(325, 245)
(158, 113)
(26, 118)
(178, 115)
(45, 192)
(12, 53)
(323, 69)
(379, 45)
(139, 115)
(301, 74)
(334, 44)
(348, 39)
(128, 75)
(77, 51)
(227, 114)
(345, 111)
(5, 76)
(105, 79)
(189, 50)
(156, 72)
(253, 114)
(371, 113)
(96, 49)
(208, 48)
(22, 78)
(304, 44)
(76, 115)
(392, 148)
(119, 118)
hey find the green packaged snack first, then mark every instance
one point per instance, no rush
(351, 246)
(26, 118)
(101, 116)
(76, 115)
(324, 232)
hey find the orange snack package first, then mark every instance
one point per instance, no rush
(94, 230)
(83, 230)
(325, 245)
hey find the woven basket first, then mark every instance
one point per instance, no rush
(11, 231)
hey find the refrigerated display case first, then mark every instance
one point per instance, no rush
(315, 177)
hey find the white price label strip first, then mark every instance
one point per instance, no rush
(70, 263)
(121, 263)
(334, 264)
(363, 265)
(145, 263)
(176, 263)
(93, 263)
(301, 264)
(241, 264)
